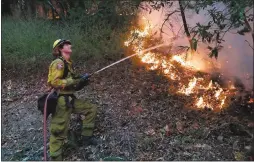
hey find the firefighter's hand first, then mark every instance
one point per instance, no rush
(85, 76)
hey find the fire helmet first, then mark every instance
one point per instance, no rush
(59, 42)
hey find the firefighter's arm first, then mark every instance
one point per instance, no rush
(76, 76)
(57, 71)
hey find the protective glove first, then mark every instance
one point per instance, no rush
(85, 76)
(84, 81)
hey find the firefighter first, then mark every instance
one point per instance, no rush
(62, 78)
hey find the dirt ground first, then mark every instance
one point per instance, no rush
(138, 119)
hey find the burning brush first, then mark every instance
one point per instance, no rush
(205, 91)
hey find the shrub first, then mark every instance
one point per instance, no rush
(27, 44)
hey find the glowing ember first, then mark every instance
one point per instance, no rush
(173, 76)
(200, 102)
(210, 85)
(154, 67)
(232, 87)
(223, 102)
(166, 71)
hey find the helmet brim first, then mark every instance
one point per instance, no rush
(62, 42)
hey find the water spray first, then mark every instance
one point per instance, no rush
(123, 59)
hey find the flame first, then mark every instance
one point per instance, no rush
(218, 92)
(166, 71)
(149, 58)
(210, 85)
(187, 91)
(223, 102)
(200, 102)
(180, 60)
(251, 100)
(212, 95)
(232, 87)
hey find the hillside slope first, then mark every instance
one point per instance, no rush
(138, 119)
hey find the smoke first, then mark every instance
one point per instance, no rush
(235, 60)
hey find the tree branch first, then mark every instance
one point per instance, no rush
(179, 30)
(248, 25)
(249, 44)
(248, 10)
(227, 30)
(170, 14)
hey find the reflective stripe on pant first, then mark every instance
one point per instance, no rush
(60, 122)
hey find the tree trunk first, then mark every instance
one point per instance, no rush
(189, 54)
(32, 7)
(248, 25)
(6, 7)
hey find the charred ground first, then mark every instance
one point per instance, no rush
(138, 119)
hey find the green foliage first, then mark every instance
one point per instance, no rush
(243, 30)
(194, 44)
(27, 44)
(214, 51)
(96, 29)
(233, 16)
(223, 16)
(157, 5)
(23, 40)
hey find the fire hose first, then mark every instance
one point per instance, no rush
(146, 50)
(45, 105)
(45, 126)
